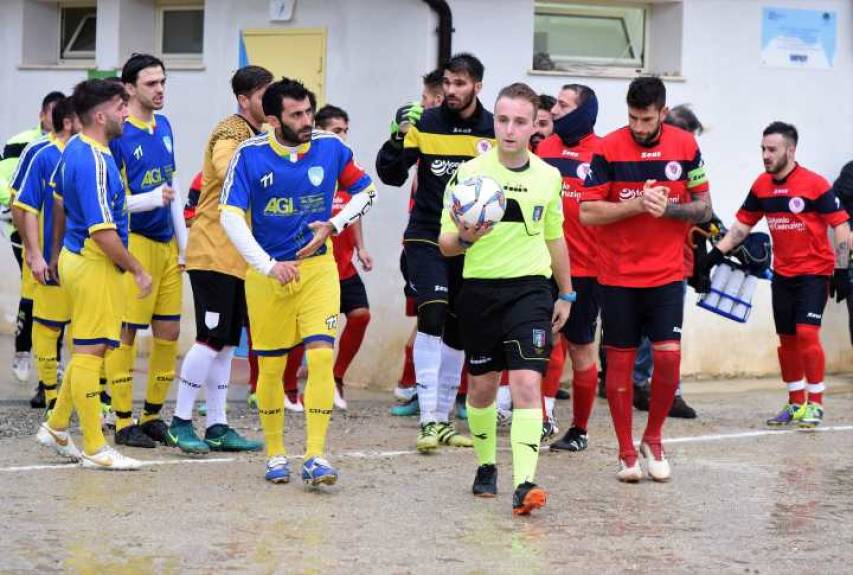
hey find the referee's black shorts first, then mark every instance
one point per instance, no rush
(220, 308)
(506, 323)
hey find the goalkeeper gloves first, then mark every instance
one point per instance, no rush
(839, 285)
(405, 117)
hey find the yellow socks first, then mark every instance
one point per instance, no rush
(524, 437)
(161, 373)
(86, 394)
(119, 366)
(319, 395)
(483, 424)
(270, 392)
(44, 349)
(60, 415)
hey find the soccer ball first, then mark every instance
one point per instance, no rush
(478, 200)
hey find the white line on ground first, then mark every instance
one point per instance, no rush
(385, 454)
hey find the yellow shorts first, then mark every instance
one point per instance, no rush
(282, 316)
(160, 260)
(50, 305)
(93, 285)
(28, 282)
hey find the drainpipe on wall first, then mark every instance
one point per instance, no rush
(445, 28)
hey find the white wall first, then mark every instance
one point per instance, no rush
(377, 51)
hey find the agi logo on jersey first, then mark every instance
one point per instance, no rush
(279, 207)
(155, 177)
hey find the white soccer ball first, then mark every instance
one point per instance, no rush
(478, 200)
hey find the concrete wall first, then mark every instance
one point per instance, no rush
(377, 51)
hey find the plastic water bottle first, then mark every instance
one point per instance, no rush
(719, 279)
(733, 287)
(741, 310)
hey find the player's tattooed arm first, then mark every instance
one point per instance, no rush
(698, 211)
(734, 237)
(842, 245)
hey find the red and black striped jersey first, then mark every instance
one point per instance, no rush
(644, 251)
(573, 163)
(798, 209)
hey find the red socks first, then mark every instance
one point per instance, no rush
(791, 365)
(463, 383)
(814, 361)
(620, 397)
(294, 360)
(583, 395)
(408, 377)
(664, 384)
(551, 381)
(253, 365)
(351, 339)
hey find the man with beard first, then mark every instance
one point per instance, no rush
(641, 259)
(216, 273)
(89, 187)
(798, 205)
(145, 156)
(570, 150)
(286, 181)
(544, 123)
(443, 138)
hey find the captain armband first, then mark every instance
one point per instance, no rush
(696, 177)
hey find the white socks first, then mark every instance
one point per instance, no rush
(194, 371)
(427, 356)
(449, 375)
(216, 386)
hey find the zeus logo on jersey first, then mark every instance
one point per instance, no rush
(332, 322)
(266, 181)
(279, 206)
(137, 153)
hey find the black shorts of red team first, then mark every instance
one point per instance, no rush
(798, 209)
(220, 308)
(353, 294)
(506, 323)
(643, 255)
(583, 319)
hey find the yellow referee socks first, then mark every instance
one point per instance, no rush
(319, 395)
(483, 424)
(86, 394)
(270, 392)
(60, 415)
(119, 371)
(524, 437)
(161, 374)
(44, 348)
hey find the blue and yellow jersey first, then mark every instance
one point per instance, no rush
(35, 194)
(285, 189)
(145, 156)
(26, 158)
(88, 182)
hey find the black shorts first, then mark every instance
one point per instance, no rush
(353, 294)
(580, 328)
(220, 307)
(432, 277)
(627, 314)
(408, 291)
(506, 324)
(798, 300)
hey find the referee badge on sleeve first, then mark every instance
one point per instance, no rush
(539, 339)
(537, 213)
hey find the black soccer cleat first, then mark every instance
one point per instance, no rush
(156, 429)
(527, 497)
(681, 409)
(37, 401)
(575, 439)
(133, 436)
(486, 481)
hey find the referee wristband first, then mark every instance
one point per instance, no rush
(569, 296)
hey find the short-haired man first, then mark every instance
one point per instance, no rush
(570, 150)
(94, 256)
(216, 273)
(146, 158)
(286, 180)
(33, 214)
(799, 206)
(444, 137)
(544, 120)
(507, 309)
(645, 187)
(13, 166)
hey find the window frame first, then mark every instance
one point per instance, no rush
(76, 56)
(586, 8)
(159, 30)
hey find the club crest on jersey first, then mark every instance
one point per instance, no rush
(796, 205)
(673, 171)
(315, 175)
(539, 339)
(167, 141)
(483, 146)
(583, 171)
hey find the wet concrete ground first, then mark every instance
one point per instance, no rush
(765, 503)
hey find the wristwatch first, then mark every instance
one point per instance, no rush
(570, 297)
